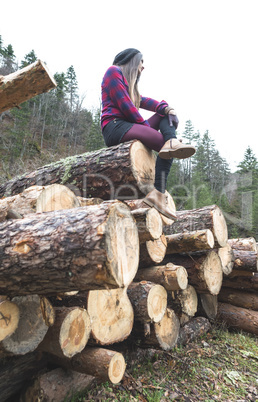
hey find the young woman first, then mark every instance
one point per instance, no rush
(121, 122)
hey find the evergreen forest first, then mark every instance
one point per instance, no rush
(55, 125)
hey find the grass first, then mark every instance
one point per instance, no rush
(220, 366)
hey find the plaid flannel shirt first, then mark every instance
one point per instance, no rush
(116, 102)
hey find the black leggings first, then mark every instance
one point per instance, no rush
(154, 139)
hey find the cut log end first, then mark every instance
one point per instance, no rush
(122, 244)
(167, 330)
(220, 228)
(9, 318)
(157, 303)
(143, 166)
(56, 197)
(172, 208)
(213, 274)
(227, 258)
(116, 368)
(157, 249)
(74, 332)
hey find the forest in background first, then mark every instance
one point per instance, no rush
(55, 125)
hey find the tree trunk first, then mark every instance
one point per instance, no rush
(195, 328)
(238, 317)
(16, 370)
(246, 244)
(78, 249)
(204, 270)
(111, 315)
(172, 277)
(184, 303)
(241, 280)
(162, 335)
(31, 329)
(153, 251)
(85, 202)
(227, 258)
(39, 199)
(57, 385)
(190, 241)
(69, 334)
(245, 260)
(209, 217)
(149, 224)
(149, 301)
(9, 318)
(239, 298)
(122, 171)
(24, 84)
(104, 364)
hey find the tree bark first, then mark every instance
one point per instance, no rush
(149, 301)
(190, 241)
(39, 199)
(241, 280)
(104, 364)
(119, 172)
(162, 335)
(204, 270)
(245, 260)
(24, 84)
(246, 244)
(9, 318)
(16, 370)
(57, 385)
(69, 334)
(153, 251)
(149, 224)
(209, 217)
(195, 328)
(85, 202)
(184, 303)
(78, 249)
(238, 317)
(31, 329)
(172, 277)
(239, 298)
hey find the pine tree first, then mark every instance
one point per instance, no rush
(28, 59)
(71, 86)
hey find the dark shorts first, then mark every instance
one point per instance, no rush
(115, 130)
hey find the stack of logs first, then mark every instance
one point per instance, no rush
(85, 264)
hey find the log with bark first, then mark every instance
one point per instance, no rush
(69, 334)
(238, 318)
(9, 318)
(209, 217)
(193, 329)
(85, 202)
(161, 335)
(33, 325)
(16, 371)
(190, 241)
(104, 364)
(149, 301)
(247, 244)
(123, 171)
(239, 298)
(245, 280)
(39, 199)
(245, 260)
(56, 385)
(204, 270)
(152, 251)
(24, 84)
(83, 248)
(172, 277)
(184, 303)
(149, 224)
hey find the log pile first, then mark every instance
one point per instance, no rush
(80, 275)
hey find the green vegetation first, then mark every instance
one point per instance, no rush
(219, 366)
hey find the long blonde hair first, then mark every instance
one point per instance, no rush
(130, 72)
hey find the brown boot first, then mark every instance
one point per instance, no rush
(175, 149)
(159, 201)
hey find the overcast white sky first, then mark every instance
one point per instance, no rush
(199, 55)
